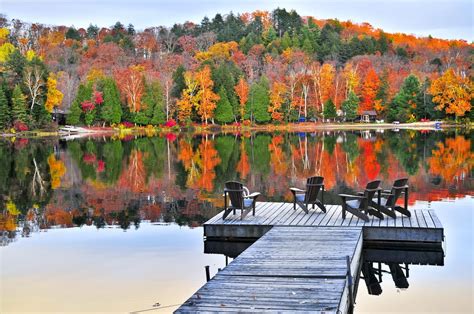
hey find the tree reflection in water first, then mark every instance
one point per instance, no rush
(179, 179)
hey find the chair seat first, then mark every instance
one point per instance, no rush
(353, 203)
(248, 202)
(300, 197)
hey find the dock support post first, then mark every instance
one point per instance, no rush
(350, 285)
(208, 275)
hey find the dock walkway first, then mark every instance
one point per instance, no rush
(288, 269)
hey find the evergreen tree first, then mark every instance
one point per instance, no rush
(295, 41)
(179, 84)
(286, 41)
(153, 112)
(111, 109)
(74, 115)
(350, 106)
(426, 108)
(226, 75)
(259, 100)
(270, 35)
(73, 33)
(4, 110)
(329, 110)
(223, 111)
(382, 92)
(19, 105)
(402, 107)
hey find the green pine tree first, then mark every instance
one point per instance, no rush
(178, 80)
(258, 102)
(19, 105)
(405, 102)
(350, 106)
(286, 41)
(329, 110)
(74, 115)
(4, 110)
(153, 112)
(223, 113)
(111, 109)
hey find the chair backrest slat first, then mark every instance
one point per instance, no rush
(369, 193)
(313, 186)
(395, 193)
(235, 190)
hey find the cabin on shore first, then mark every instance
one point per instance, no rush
(368, 116)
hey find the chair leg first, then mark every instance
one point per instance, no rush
(320, 205)
(402, 210)
(375, 212)
(357, 212)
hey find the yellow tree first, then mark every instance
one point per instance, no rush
(207, 98)
(189, 97)
(242, 90)
(53, 97)
(452, 93)
(277, 97)
(351, 77)
(323, 77)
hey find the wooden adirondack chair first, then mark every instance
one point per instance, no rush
(360, 205)
(307, 197)
(388, 202)
(240, 198)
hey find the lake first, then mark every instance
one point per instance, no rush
(114, 224)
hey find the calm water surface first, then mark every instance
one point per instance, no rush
(114, 225)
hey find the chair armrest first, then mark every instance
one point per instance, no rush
(374, 190)
(400, 187)
(253, 195)
(360, 193)
(351, 196)
(297, 190)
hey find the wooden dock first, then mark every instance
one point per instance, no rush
(300, 261)
(288, 269)
(422, 226)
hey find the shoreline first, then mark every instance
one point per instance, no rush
(79, 132)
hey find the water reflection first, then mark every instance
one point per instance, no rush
(395, 263)
(112, 182)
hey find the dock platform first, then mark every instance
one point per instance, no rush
(301, 262)
(288, 269)
(422, 226)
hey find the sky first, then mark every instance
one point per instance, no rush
(450, 19)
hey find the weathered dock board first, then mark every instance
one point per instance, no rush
(422, 226)
(289, 269)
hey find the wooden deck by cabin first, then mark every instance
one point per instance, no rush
(299, 262)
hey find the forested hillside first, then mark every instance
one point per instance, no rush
(260, 67)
